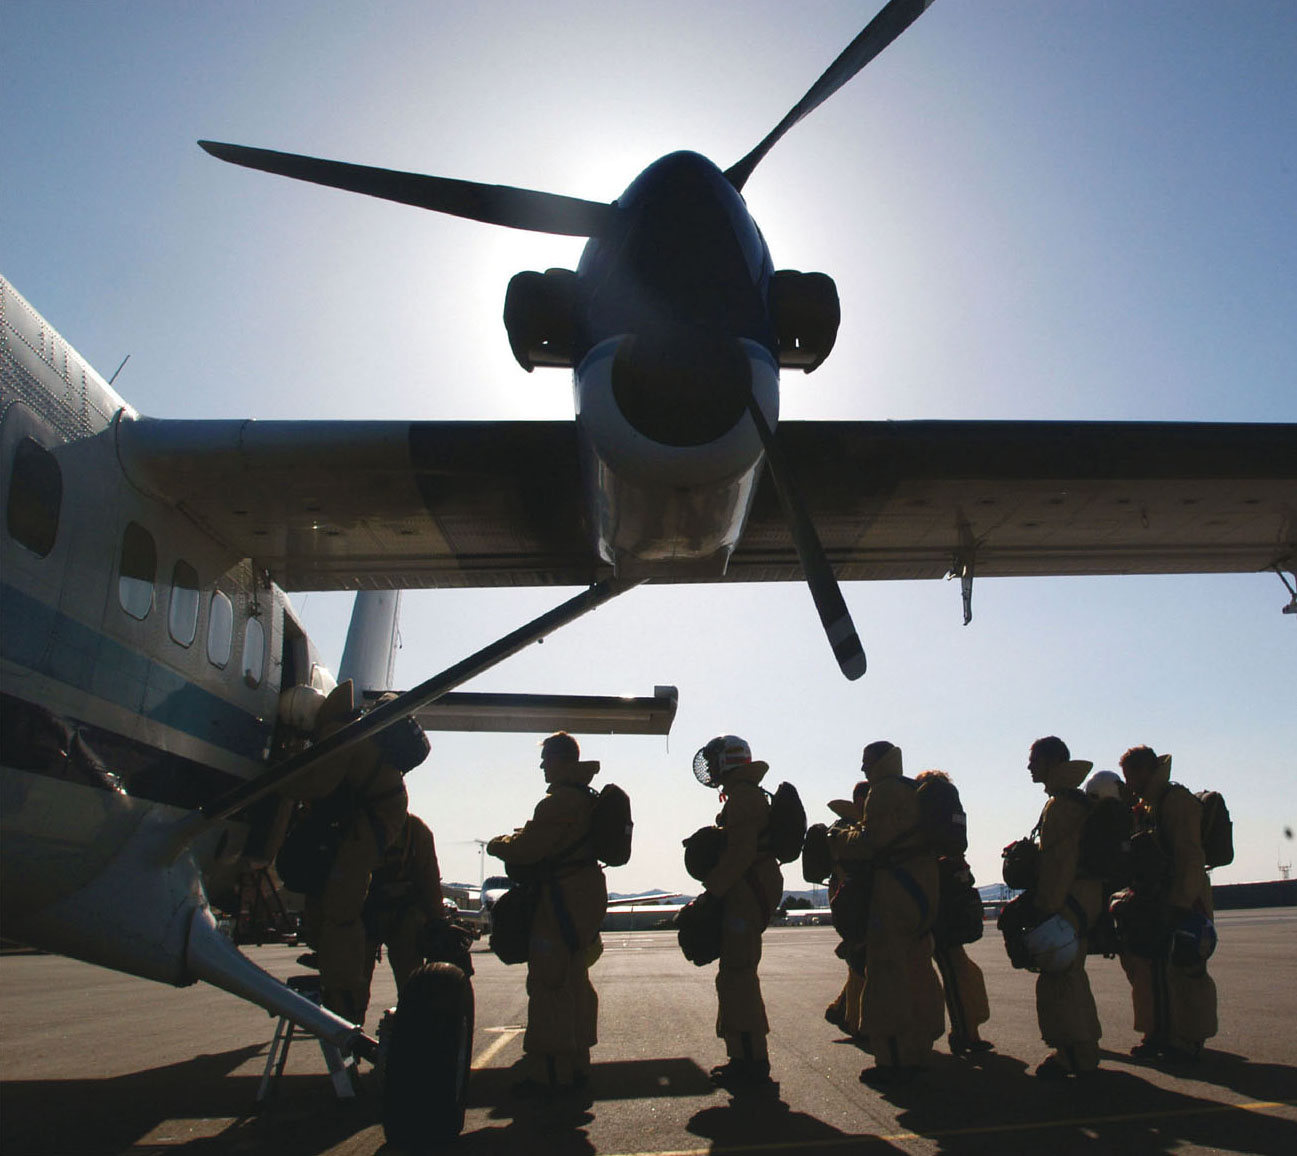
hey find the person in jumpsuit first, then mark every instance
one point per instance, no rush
(377, 804)
(961, 978)
(845, 1011)
(1065, 1011)
(902, 1006)
(748, 883)
(1174, 999)
(405, 898)
(562, 1005)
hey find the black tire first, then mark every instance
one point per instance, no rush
(425, 1078)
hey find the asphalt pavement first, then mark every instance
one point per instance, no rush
(93, 1063)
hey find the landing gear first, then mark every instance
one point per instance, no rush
(426, 1047)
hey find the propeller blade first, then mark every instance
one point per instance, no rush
(492, 204)
(894, 19)
(826, 592)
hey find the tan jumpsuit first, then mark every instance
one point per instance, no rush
(1175, 1005)
(562, 1005)
(404, 894)
(902, 1007)
(334, 926)
(749, 883)
(1065, 1009)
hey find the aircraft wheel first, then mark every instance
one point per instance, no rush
(425, 1078)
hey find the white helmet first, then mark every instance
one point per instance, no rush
(1104, 785)
(1052, 945)
(720, 756)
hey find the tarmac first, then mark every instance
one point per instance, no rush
(93, 1063)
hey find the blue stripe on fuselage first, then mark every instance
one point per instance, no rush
(44, 640)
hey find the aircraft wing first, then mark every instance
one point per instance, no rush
(350, 505)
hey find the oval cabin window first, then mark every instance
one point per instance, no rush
(138, 570)
(254, 652)
(182, 614)
(220, 629)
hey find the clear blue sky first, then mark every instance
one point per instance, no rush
(1031, 211)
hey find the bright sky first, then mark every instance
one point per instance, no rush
(1079, 211)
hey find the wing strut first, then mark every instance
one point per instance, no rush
(392, 711)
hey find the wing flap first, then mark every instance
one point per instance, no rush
(338, 505)
(898, 500)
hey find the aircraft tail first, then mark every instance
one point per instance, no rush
(369, 657)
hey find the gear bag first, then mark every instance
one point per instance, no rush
(611, 826)
(959, 905)
(698, 929)
(943, 825)
(1017, 918)
(1021, 864)
(703, 851)
(786, 830)
(511, 919)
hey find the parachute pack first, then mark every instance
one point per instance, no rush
(611, 826)
(817, 859)
(1217, 829)
(1105, 842)
(787, 828)
(943, 824)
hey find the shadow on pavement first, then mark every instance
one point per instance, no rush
(1116, 1110)
(195, 1105)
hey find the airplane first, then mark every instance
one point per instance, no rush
(147, 636)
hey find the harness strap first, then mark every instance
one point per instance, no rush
(1082, 924)
(906, 880)
(567, 929)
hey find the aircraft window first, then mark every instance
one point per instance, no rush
(138, 569)
(220, 629)
(182, 615)
(35, 495)
(254, 652)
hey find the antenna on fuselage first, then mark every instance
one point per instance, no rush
(119, 369)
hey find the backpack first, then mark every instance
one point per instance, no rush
(308, 851)
(787, 826)
(817, 859)
(611, 826)
(942, 822)
(1217, 829)
(1105, 843)
(404, 745)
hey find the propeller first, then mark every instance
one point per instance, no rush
(894, 19)
(570, 216)
(827, 594)
(491, 204)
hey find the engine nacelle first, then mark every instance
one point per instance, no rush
(805, 313)
(540, 315)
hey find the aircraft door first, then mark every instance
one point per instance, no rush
(34, 538)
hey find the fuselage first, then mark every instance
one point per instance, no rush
(141, 664)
